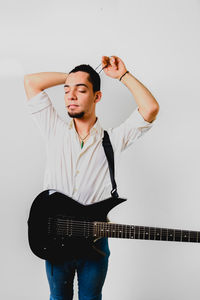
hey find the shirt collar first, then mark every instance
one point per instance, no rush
(95, 130)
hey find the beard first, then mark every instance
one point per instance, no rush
(76, 115)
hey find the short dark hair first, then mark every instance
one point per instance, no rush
(93, 77)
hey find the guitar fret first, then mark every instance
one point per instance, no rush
(193, 236)
(140, 233)
(170, 235)
(113, 230)
(151, 233)
(157, 234)
(119, 235)
(136, 232)
(163, 234)
(185, 236)
(178, 236)
(143, 232)
(121, 232)
(110, 230)
(127, 232)
(116, 230)
(105, 230)
(146, 236)
(130, 233)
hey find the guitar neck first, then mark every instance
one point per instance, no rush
(75, 228)
(103, 229)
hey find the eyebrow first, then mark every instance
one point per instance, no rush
(78, 84)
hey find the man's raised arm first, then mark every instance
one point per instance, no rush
(148, 106)
(37, 82)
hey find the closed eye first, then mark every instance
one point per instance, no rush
(79, 91)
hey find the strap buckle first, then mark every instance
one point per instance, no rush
(114, 193)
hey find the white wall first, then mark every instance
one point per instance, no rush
(159, 43)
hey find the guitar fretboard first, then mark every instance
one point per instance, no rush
(73, 228)
(145, 233)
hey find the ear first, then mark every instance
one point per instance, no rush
(98, 96)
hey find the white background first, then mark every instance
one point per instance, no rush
(159, 175)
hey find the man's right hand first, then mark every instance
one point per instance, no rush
(113, 66)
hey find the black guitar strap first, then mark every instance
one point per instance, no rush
(110, 157)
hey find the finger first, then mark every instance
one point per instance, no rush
(117, 59)
(105, 61)
(113, 62)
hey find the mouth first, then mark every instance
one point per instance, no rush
(72, 106)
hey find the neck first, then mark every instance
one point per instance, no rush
(83, 126)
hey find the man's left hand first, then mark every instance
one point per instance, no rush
(113, 66)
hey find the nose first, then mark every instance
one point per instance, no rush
(71, 95)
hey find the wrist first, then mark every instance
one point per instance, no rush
(120, 78)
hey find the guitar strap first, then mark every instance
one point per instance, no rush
(110, 157)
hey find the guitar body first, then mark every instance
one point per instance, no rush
(49, 236)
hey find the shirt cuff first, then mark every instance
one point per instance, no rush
(38, 102)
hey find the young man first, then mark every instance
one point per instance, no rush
(76, 163)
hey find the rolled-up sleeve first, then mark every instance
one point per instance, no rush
(129, 131)
(44, 114)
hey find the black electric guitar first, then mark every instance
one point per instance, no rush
(60, 227)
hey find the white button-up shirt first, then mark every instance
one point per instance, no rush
(82, 174)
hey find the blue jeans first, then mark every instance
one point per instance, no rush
(91, 274)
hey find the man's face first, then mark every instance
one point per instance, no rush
(80, 99)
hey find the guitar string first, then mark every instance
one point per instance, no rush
(141, 230)
(78, 233)
(92, 223)
(89, 224)
(65, 226)
(129, 232)
(112, 224)
(121, 234)
(96, 223)
(81, 224)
